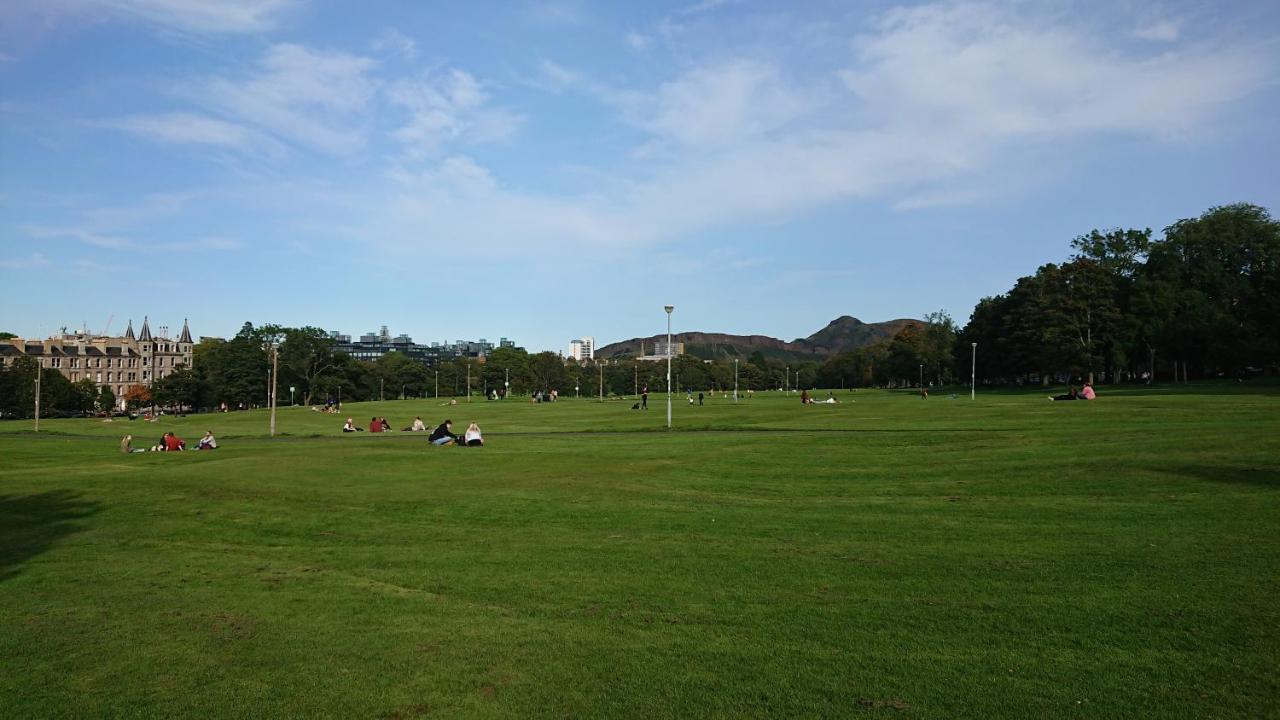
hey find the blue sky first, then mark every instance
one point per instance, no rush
(548, 170)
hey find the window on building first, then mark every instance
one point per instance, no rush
(99, 377)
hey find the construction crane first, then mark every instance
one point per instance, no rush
(106, 329)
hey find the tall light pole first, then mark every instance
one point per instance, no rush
(39, 368)
(275, 371)
(437, 383)
(669, 308)
(600, 364)
(921, 383)
(506, 384)
(468, 382)
(786, 382)
(973, 372)
(735, 380)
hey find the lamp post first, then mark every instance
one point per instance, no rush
(437, 383)
(600, 364)
(506, 384)
(39, 368)
(669, 308)
(786, 382)
(973, 372)
(275, 374)
(921, 383)
(735, 380)
(291, 400)
(468, 382)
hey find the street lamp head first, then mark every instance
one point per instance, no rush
(975, 345)
(669, 308)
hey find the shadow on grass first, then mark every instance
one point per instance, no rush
(1258, 477)
(31, 524)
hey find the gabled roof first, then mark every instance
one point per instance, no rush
(185, 337)
(145, 336)
(7, 349)
(129, 333)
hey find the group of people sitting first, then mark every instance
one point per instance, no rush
(169, 442)
(442, 435)
(1084, 393)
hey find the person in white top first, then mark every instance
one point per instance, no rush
(472, 437)
(207, 442)
(418, 425)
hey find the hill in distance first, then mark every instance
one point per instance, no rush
(843, 333)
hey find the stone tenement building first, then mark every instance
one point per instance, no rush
(116, 362)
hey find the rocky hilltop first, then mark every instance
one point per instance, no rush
(843, 333)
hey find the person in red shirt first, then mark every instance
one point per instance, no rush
(173, 442)
(375, 425)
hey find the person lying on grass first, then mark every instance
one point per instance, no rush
(443, 435)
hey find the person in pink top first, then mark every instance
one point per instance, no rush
(1087, 392)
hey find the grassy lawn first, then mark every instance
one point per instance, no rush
(884, 557)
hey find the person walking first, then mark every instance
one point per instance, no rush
(644, 398)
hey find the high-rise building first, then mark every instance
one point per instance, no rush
(582, 348)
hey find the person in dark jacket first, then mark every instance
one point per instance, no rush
(443, 435)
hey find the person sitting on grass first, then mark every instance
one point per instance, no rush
(1086, 393)
(375, 425)
(126, 445)
(418, 425)
(1070, 395)
(443, 435)
(472, 437)
(173, 443)
(386, 426)
(350, 426)
(207, 442)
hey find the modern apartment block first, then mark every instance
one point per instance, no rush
(114, 362)
(582, 349)
(371, 346)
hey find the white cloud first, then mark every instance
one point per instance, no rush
(394, 42)
(314, 99)
(934, 100)
(184, 128)
(34, 260)
(204, 16)
(1166, 30)
(978, 70)
(719, 105)
(445, 107)
(637, 41)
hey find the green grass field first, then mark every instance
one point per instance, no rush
(884, 557)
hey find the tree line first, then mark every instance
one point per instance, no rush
(1202, 301)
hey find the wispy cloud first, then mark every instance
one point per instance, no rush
(931, 99)
(190, 128)
(394, 42)
(314, 99)
(34, 260)
(447, 106)
(203, 16)
(1165, 30)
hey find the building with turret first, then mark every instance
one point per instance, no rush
(114, 362)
